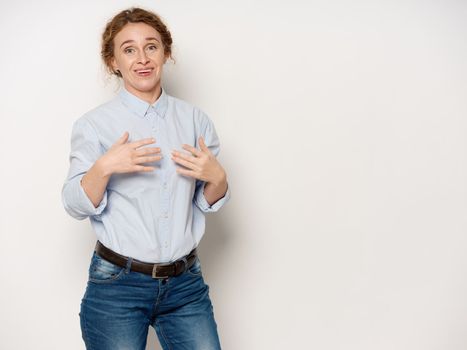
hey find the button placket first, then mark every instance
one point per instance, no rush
(164, 197)
(164, 223)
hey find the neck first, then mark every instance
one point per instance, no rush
(150, 96)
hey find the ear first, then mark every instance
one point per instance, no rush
(113, 63)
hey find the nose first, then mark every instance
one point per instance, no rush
(143, 58)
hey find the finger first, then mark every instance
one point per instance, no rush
(191, 149)
(186, 157)
(147, 151)
(149, 159)
(186, 172)
(144, 168)
(124, 138)
(142, 142)
(203, 145)
(185, 163)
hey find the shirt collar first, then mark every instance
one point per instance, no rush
(141, 107)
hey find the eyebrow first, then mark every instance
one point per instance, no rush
(130, 41)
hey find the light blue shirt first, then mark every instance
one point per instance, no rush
(155, 216)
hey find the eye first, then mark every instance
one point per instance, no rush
(129, 50)
(152, 47)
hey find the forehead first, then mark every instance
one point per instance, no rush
(136, 32)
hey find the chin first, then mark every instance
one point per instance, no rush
(146, 86)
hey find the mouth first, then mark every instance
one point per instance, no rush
(144, 72)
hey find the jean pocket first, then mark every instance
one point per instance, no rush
(195, 269)
(103, 271)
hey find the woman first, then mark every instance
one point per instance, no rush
(143, 168)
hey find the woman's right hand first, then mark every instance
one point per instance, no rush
(123, 157)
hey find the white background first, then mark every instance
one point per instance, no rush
(343, 133)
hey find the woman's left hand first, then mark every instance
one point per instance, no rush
(201, 163)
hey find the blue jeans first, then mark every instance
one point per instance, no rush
(119, 305)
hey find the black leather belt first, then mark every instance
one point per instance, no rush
(163, 270)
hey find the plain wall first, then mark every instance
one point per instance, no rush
(343, 132)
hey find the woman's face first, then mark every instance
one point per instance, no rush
(139, 56)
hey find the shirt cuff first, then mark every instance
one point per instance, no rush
(204, 205)
(77, 203)
(87, 206)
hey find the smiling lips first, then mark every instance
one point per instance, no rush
(144, 72)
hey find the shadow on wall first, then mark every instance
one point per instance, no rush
(214, 243)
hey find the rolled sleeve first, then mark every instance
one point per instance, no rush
(203, 204)
(208, 131)
(77, 203)
(85, 150)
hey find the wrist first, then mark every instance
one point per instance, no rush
(103, 168)
(221, 179)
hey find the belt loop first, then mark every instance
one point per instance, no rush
(186, 263)
(128, 264)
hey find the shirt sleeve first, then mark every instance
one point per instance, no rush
(208, 131)
(85, 150)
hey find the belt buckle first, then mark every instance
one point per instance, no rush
(154, 272)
